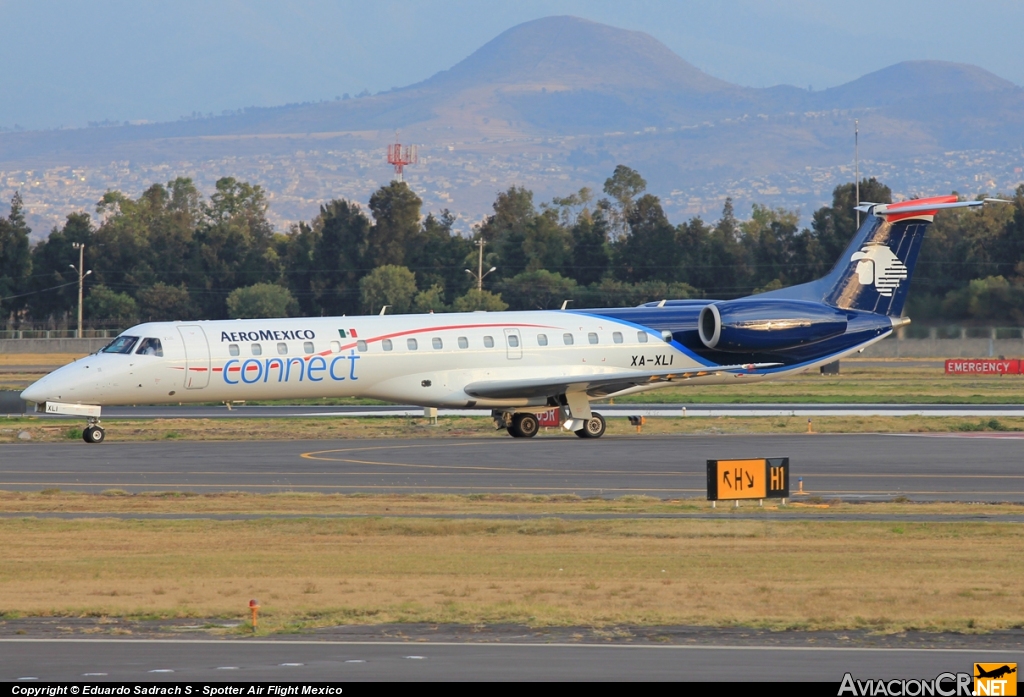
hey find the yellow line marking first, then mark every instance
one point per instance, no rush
(313, 455)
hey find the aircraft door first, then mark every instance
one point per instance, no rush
(197, 356)
(513, 344)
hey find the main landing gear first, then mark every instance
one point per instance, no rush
(93, 433)
(525, 425)
(594, 428)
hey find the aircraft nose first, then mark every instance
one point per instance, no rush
(34, 393)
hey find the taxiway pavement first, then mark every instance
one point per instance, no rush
(965, 467)
(95, 660)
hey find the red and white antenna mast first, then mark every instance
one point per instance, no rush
(400, 157)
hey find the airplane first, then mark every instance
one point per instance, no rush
(515, 364)
(995, 672)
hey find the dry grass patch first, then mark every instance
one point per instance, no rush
(119, 502)
(15, 360)
(717, 572)
(876, 382)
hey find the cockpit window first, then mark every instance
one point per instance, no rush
(122, 344)
(150, 347)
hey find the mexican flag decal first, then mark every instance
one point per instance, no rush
(348, 333)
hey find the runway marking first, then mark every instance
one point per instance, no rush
(997, 435)
(357, 487)
(256, 473)
(519, 645)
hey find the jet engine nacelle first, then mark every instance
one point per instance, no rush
(750, 326)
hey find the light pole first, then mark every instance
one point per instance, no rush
(80, 246)
(856, 165)
(479, 275)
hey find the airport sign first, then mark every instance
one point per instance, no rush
(760, 478)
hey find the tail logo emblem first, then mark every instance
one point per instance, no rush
(876, 264)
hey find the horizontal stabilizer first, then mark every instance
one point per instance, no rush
(598, 384)
(909, 206)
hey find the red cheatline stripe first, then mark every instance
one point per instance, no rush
(449, 327)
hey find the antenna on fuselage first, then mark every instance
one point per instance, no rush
(565, 303)
(384, 309)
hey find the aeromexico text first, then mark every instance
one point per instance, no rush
(265, 335)
(312, 368)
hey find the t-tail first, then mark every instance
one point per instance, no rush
(874, 273)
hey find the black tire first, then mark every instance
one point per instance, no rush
(512, 432)
(525, 425)
(593, 428)
(93, 434)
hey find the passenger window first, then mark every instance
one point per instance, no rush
(489, 341)
(567, 339)
(386, 344)
(150, 347)
(412, 344)
(617, 337)
(282, 349)
(463, 342)
(592, 337)
(436, 342)
(542, 339)
(641, 337)
(307, 346)
(257, 350)
(361, 346)
(122, 344)
(513, 341)
(233, 349)
(336, 347)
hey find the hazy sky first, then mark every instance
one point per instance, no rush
(67, 62)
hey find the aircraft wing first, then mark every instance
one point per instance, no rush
(596, 385)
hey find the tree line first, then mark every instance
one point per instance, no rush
(171, 253)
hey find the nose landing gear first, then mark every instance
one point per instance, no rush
(93, 433)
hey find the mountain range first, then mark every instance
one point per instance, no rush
(587, 96)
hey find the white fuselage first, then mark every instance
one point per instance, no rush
(425, 360)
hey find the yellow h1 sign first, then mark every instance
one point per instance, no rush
(763, 478)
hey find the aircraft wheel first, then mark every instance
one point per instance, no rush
(512, 432)
(93, 434)
(525, 425)
(594, 428)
